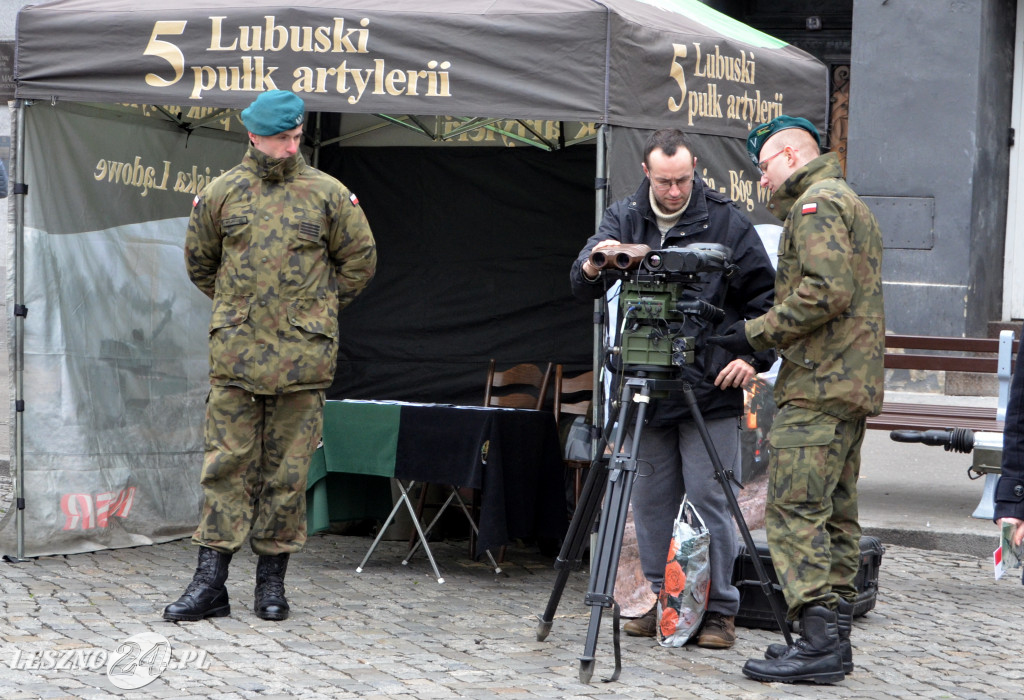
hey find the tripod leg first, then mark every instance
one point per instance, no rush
(605, 561)
(734, 506)
(580, 527)
(603, 569)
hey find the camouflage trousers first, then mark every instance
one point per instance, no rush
(257, 453)
(811, 512)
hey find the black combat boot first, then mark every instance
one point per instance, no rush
(844, 620)
(270, 603)
(206, 595)
(813, 657)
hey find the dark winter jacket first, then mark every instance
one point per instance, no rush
(710, 217)
(1010, 487)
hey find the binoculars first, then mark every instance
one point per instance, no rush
(625, 256)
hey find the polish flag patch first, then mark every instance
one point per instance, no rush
(809, 208)
(195, 202)
(352, 198)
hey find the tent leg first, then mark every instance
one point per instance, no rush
(317, 136)
(600, 202)
(20, 311)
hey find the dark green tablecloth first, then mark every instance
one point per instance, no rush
(359, 447)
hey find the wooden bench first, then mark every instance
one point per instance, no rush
(977, 355)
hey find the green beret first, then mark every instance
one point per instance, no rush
(763, 132)
(272, 112)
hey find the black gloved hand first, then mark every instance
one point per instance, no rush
(734, 339)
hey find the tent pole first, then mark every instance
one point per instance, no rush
(600, 203)
(317, 135)
(19, 191)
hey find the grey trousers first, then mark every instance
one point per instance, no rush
(672, 461)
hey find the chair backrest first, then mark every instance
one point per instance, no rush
(573, 394)
(520, 386)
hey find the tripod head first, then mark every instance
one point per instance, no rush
(657, 298)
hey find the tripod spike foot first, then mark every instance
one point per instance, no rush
(586, 670)
(543, 629)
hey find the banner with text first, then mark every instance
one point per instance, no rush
(115, 359)
(641, 63)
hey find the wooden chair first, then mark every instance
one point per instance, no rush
(520, 386)
(573, 397)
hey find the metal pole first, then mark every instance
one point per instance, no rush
(600, 204)
(317, 135)
(18, 170)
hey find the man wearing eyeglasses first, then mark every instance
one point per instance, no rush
(828, 323)
(674, 207)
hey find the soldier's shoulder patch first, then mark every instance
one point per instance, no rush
(352, 198)
(195, 202)
(809, 208)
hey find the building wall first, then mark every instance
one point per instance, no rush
(995, 102)
(928, 148)
(928, 140)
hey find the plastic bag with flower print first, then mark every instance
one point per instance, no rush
(684, 594)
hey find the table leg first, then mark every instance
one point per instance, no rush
(403, 499)
(454, 495)
(986, 506)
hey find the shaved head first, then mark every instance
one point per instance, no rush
(805, 145)
(784, 153)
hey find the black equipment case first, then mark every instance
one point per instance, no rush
(755, 609)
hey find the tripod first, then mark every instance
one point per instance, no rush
(616, 481)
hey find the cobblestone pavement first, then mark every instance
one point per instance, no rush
(942, 628)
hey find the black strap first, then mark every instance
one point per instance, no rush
(615, 645)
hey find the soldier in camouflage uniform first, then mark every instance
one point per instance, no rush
(829, 326)
(280, 247)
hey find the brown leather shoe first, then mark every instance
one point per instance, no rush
(644, 626)
(718, 632)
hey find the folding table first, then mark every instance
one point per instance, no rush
(511, 456)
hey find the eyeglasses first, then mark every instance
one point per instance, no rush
(764, 163)
(665, 185)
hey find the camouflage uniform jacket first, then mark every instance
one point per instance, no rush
(828, 320)
(280, 247)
